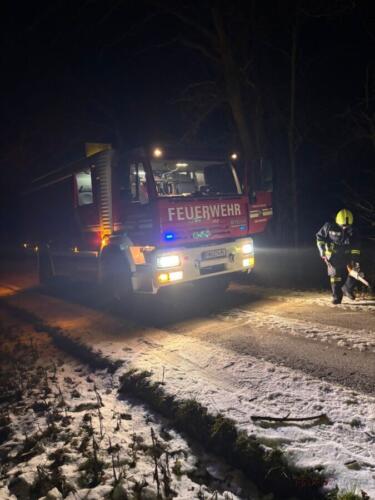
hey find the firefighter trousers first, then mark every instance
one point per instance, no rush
(338, 274)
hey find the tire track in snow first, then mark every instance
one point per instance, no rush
(304, 297)
(362, 339)
(362, 449)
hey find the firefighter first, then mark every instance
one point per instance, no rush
(338, 246)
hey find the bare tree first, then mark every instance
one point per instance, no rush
(361, 131)
(211, 35)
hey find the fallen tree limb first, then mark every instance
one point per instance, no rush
(288, 419)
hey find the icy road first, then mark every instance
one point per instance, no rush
(256, 351)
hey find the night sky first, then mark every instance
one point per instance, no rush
(127, 73)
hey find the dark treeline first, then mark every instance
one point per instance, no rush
(291, 82)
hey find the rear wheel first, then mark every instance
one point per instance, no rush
(115, 274)
(45, 267)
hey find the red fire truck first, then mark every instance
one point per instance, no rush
(145, 220)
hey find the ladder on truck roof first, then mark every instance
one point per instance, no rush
(104, 171)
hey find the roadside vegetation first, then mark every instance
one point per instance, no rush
(65, 434)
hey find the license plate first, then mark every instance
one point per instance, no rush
(198, 235)
(215, 253)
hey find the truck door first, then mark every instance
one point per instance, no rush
(85, 249)
(135, 203)
(261, 199)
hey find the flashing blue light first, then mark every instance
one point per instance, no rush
(169, 236)
(242, 228)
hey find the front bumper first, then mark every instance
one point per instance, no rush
(200, 262)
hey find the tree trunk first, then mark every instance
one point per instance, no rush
(232, 79)
(292, 137)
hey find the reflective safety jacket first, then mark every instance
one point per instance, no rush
(333, 239)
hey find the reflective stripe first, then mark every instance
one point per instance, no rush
(267, 211)
(335, 279)
(356, 252)
(330, 249)
(255, 213)
(321, 246)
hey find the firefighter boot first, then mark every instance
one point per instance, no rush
(348, 287)
(336, 289)
(348, 293)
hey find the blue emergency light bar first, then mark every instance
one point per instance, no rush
(169, 236)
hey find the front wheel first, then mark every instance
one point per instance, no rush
(115, 275)
(214, 285)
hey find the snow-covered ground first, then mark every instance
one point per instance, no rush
(65, 433)
(361, 339)
(364, 301)
(242, 386)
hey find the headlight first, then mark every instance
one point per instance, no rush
(248, 248)
(168, 261)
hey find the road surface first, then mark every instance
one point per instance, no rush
(301, 330)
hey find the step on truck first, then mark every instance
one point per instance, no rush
(144, 220)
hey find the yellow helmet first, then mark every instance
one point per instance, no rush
(344, 217)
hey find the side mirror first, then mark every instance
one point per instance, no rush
(252, 197)
(125, 193)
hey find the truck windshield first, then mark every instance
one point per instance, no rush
(194, 178)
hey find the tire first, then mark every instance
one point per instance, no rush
(215, 285)
(45, 267)
(115, 275)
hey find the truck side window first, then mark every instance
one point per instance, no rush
(84, 188)
(138, 183)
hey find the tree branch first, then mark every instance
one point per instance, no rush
(289, 419)
(200, 48)
(187, 20)
(200, 119)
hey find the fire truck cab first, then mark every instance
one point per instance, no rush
(145, 220)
